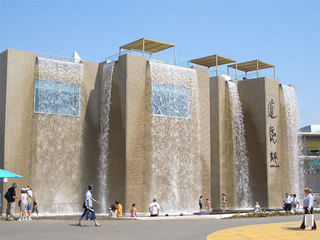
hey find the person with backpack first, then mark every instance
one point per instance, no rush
(87, 205)
(11, 197)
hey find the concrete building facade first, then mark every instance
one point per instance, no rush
(58, 154)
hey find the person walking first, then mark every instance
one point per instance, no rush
(287, 202)
(154, 208)
(11, 198)
(88, 203)
(308, 208)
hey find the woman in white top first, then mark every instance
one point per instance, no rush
(23, 205)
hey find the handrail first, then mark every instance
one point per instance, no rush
(51, 56)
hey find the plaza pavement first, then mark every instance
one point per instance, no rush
(176, 228)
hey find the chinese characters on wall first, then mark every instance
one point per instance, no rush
(273, 155)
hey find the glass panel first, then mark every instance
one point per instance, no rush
(170, 100)
(53, 97)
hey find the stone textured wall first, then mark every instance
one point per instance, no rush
(205, 143)
(252, 96)
(22, 127)
(89, 152)
(266, 139)
(18, 115)
(223, 177)
(137, 182)
(273, 159)
(117, 133)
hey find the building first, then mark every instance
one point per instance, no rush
(139, 128)
(310, 153)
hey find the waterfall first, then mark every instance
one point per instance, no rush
(295, 166)
(175, 138)
(103, 163)
(242, 161)
(57, 137)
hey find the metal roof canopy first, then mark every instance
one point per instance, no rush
(213, 61)
(254, 65)
(149, 46)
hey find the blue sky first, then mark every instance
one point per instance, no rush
(280, 32)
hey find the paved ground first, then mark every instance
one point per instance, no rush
(176, 229)
(279, 231)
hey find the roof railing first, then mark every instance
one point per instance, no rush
(55, 57)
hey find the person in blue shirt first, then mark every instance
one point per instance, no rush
(87, 205)
(308, 207)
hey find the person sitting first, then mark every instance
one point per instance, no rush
(134, 211)
(119, 209)
(113, 211)
(257, 208)
(154, 208)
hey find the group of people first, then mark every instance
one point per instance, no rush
(291, 203)
(208, 204)
(26, 202)
(115, 210)
(313, 170)
(26, 199)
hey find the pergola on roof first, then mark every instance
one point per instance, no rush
(147, 45)
(212, 61)
(254, 65)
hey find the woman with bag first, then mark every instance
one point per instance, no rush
(308, 211)
(23, 205)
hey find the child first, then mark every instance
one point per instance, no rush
(35, 206)
(223, 202)
(207, 205)
(134, 211)
(257, 208)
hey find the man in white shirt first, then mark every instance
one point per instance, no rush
(308, 207)
(154, 208)
(287, 202)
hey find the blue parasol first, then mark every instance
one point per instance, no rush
(7, 174)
